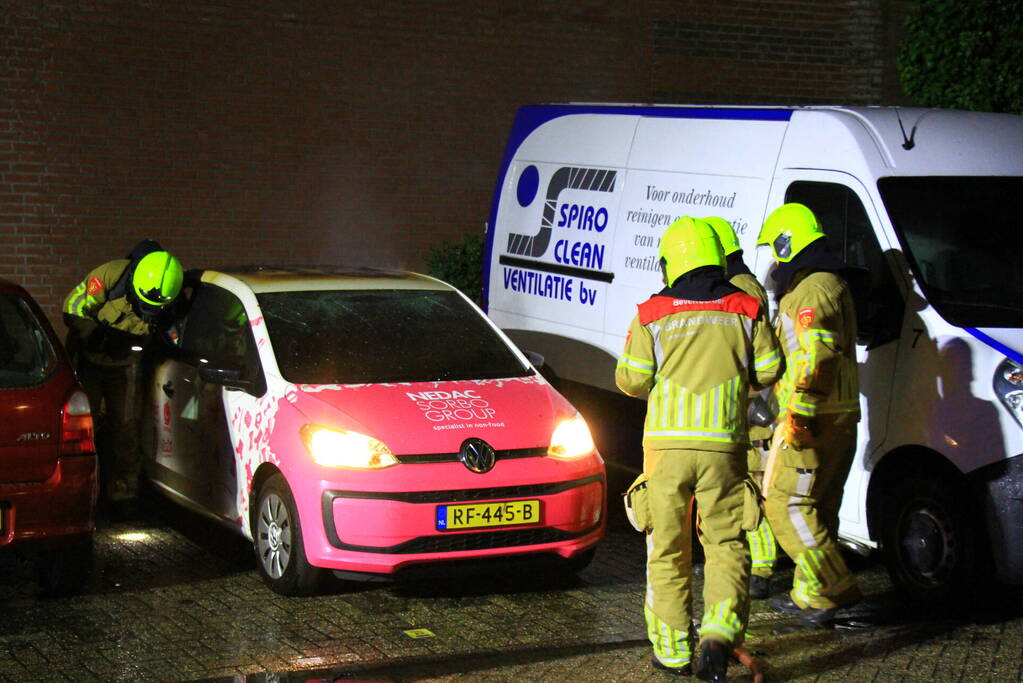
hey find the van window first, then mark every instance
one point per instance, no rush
(959, 235)
(851, 238)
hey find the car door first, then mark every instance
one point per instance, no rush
(222, 358)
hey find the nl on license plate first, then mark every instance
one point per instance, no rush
(479, 515)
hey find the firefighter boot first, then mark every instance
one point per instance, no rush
(811, 616)
(686, 670)
(759, 587)
(712, 662)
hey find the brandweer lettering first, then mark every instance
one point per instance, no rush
(701, 320)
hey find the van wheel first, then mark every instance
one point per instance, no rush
(930, 546)
(277, 539)
(64, 571)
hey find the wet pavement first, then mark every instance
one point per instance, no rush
(174, 597)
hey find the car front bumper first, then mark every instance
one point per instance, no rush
(381, 532)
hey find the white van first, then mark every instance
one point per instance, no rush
(923, 205)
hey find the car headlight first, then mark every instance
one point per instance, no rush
(1008, 386)
(342, 448)
(571, 439)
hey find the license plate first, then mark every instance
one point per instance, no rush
(481, 515)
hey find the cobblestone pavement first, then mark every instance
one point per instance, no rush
(173, 597)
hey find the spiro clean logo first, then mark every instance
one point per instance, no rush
(576, 222)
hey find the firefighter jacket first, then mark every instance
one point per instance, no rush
(816, 325)
(748, 283)
(696, 361)
(103, 324)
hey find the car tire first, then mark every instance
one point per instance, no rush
(930, 545)
(63, 571)
(277, 540)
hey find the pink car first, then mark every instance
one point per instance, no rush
(364, 422)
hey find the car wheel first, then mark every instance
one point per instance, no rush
(277, 539)
(930, 546)
(64, 571)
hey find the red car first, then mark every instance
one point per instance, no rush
(48, 482)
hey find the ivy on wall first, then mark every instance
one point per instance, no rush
(965, 55)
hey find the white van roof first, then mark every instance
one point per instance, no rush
(908, 140)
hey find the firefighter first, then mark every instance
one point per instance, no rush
(694, 349)
(763, 548)
(818, 409)
(111, 316)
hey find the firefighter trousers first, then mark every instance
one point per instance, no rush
(763, 548)
(716, 481)
(113, 398)
(803, 495)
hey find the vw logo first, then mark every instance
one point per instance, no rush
(477, 455)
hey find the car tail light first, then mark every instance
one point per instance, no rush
(76, 433)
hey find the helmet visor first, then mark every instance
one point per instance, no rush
(782, 246)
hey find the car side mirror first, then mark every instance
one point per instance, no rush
(535, 359)
(229, 378)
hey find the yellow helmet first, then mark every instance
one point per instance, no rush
(157, 278)
(726, 235)
(688, 244)
(789, 229)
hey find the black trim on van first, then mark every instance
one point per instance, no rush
(557, 268)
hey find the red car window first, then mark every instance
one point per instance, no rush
(26, 357)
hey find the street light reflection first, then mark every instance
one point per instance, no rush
(132, 536)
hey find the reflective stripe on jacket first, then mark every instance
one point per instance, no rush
(816, 325)
(696, 360)
(89, 306)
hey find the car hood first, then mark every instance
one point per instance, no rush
(436, 417)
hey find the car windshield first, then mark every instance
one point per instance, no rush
(26, 357)
(959, 234)
(394, 335)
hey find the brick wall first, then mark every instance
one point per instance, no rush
(335, 131)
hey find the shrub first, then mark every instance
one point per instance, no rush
(964, 54)
(460, 264)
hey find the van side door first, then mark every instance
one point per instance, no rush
(852, 228)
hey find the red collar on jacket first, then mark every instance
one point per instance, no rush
(657, 307)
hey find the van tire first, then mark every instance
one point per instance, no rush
(929, 543)
(277, 541)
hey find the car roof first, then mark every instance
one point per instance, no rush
(12, 287)
(262, 279)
